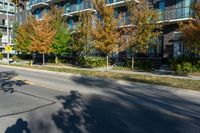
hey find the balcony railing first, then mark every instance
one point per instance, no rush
(114, 1)
(77, 7)
(177, 13)
(11, 9)
(4, 25)
(38, 2)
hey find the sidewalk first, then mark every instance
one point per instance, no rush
(158, 74)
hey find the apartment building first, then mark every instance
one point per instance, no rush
(172, 12)
(4, 22)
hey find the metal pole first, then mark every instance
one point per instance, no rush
(8, 36)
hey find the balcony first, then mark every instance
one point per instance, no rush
(11, 9)
(5, 25)
(117, 3)
(38, 4)
(177, 14)
(73, 9)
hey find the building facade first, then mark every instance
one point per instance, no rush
(171, 11)
(6, 21)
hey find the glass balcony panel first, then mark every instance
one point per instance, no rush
(161, 14)
(127, 20)
(73, 8)
(77, 7)
(177, 13)
(119, 0)
(187, 12)
(109, 1)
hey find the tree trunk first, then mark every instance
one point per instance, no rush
(43, 59)
(8, 57)
(107, 62)
(132, 62)
(56, 59)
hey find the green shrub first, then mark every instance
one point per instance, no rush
(144, 65)
(91, 61)
(1, 56)
(185, 65)
(127, 62)
(177, 67)
(198, 65)
(50, 59)
(16, 58)
(139, 64)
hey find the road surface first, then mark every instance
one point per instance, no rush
(34, 101)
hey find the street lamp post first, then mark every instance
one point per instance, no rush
(8, 35)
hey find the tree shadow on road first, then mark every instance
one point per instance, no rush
(104, 114)
(20, 126)
(7, 83)
(126, 109)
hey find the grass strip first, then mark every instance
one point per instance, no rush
(165, 81)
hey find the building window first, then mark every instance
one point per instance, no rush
(109, 1)
(161, 5)
(1, 5)
(188, 2)
(155, 47)
(176, 35)
(178, 48)
(177, 45)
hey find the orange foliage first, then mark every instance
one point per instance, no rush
(43, 35)
(105, 33)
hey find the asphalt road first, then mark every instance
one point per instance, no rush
(49, 102)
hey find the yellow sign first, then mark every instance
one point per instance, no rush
(8, 48)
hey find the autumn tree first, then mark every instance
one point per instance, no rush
(191, 31)
(22, 36)
(43, 35)
(105, 33)
(57, 19)
(82, 35)
(145, 27)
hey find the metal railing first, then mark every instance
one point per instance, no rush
(37, 2)
(113, 1)
(177, 13)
